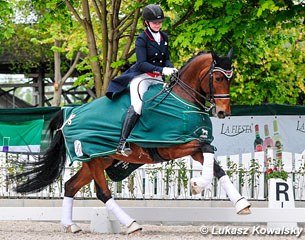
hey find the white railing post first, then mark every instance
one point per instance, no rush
(299, 177)
(260, 157)
(248, 182)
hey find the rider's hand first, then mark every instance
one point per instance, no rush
(168, 71)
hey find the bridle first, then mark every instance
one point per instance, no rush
(228, 74)
(175, 79)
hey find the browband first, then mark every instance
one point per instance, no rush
(227, 73)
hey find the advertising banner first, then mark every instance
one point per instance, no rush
(246, 134)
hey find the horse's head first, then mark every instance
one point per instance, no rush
(207, 77)
(219, 84)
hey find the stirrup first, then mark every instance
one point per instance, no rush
(123, 150)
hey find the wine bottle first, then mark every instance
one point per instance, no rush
(268, 142)
(258, 141)
(278, 141)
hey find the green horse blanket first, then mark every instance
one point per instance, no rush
(93, 129)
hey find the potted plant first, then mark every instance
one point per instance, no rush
(275, 170)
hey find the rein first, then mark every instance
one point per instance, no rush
(175, 79)
(164, 89)
(189, 91)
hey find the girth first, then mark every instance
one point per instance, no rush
(153, 153)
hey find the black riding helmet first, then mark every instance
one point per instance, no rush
(153, 13)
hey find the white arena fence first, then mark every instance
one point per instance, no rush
(170, 180)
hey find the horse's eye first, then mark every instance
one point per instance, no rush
(218, 79)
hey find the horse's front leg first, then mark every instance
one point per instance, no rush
(200, 183)
(72, 186)
(103, 193)
(240, 203)
(211, 168)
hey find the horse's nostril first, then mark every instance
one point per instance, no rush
(221, 114)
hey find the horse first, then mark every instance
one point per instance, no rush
(202, 83)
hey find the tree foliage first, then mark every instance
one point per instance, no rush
(6, 13)
(268, 38)
(267, 35)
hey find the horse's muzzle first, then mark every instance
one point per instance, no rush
(221, 114)
(222, 109)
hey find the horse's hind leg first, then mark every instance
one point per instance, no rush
(103, 193)
(72, 186)
(240, 203)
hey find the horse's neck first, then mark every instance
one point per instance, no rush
(187, 95)
(191, 77)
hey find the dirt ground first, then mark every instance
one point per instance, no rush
(29, 230)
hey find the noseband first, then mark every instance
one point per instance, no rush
(228, 73)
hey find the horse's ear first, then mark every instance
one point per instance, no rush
(214, 56)
(230, 54)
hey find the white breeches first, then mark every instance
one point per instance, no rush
(139, 87)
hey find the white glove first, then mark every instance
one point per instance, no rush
(168, 71)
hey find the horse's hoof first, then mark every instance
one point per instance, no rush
(73, 228)
(134, 227)
(196, 189)
(198, 185)
(245, 211)
(242, 207)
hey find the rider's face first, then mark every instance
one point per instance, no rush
(155, 26)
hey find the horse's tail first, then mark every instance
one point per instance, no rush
(41, 173)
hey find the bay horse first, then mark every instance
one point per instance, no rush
(204, 79)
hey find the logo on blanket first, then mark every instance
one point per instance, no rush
(204, 133)
(78, 148)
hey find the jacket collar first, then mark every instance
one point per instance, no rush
(151, 38)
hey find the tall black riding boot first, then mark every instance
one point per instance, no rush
(129, 122)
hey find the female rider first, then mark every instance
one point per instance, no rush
(152, 62)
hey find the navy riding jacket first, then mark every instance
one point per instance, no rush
(151, 58)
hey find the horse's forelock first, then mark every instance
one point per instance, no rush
(223, 62)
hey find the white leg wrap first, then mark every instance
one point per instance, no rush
(208, 168)
(238, 201)
(66, 211)
(119, 212)
(199, 183)
(229, 188)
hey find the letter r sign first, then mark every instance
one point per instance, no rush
(281, 194)
(282, 188)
